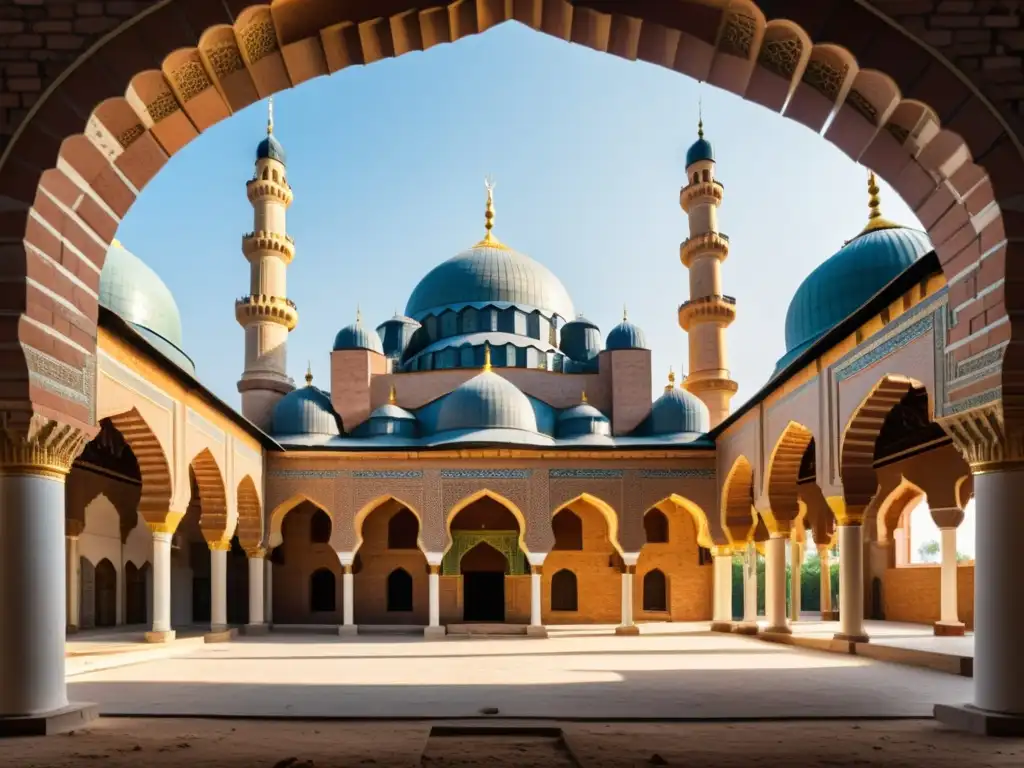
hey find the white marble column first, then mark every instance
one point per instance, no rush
(161, 631)
(949, 620)
(721, 609)
(851, 584)
(33, 610)
(796, 559)
(257, 560)
(348, 608)
(775, 584)
(268, 590)
(219, 585)
(74, 589)
(826, 581)
(434, 628)
(536, 628)
(749, 623)
(627, 627)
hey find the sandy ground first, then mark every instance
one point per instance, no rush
(162, 743)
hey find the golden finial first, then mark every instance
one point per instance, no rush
(625, 313)
(875, 218)
(489, 239)
(671, 380)
(359, 315)
(309, 374)
(583, 397)
(270, 116)
(393, 395)
(700, 118)
(487, 356)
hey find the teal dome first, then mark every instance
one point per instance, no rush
(137, 295)
(270, 149)
(677, 411)
(355, 336)
(625, 335)
(701, 149)
(583, 419)
(486, 401)
(395, 335)
(390, 419)
(489, 273)
(305, 411)
(580, 340)
(847, 280)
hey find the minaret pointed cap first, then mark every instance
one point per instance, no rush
(700, 119)
(270, 116)
(875, 218)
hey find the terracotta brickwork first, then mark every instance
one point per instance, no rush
(912, 594)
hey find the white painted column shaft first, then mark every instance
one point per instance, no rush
(851, 584)
(435, 597)
(257, 590)
(74, 589)
(948, 594)
(348, 595)
(161, 582)
(750, 583)
(32, 595)
(775, 583)
(268, 591)
(826, 579)
(722, 607)
(627, 599)
(218, 587)
(535, 612)
(796, 558)
(998, 576)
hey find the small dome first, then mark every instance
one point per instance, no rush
(583, 419)
(677, 411)
(305, 411)
(391, 419)
(395, 335)
(486, 401)
(270, 149)
(355, 336)
(701, 149)
(625, 335)
(580, 340)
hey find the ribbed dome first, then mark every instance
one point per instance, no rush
(395, 335)
(355, 336)
(487, 401)
(625, 335)
(489, 273)
(390, 419)
(583, 419)
(270, 148)
(305, 411)
(580, 340)
(677, 411)
(845, 282)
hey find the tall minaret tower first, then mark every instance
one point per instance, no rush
(267, 314)
(709, 311)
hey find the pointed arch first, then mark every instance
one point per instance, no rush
(250, 514)
(607, 512)
(737, 514)
(905, 496)
(784, 471)
(372, 506)
(674, 502)
(155, 498)
(281, 510)
(213, 503)
(486, 493)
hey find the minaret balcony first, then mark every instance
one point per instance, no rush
(266, 309)
(718, 380)
(255, 243)
(702, 192)
(707, 309)
(260, 190)
(714, 243)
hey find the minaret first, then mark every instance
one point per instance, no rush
(708, 312)
(267, 314)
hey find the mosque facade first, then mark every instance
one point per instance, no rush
(490, 458)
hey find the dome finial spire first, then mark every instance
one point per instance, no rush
(671, 380)
(309, 374)
(489, 240)
(583, 397)
(359, 315)
(270, 116)
(625, 313)
(487, 356)
(393, 395)
(875, 218)
(700, 118)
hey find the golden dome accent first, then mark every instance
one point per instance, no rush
(671, 380)
(583, 397)
(487, 357)
(309, 374)
(393, 395)
(875, 219)
(490, 241)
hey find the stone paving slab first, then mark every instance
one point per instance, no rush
(695, 676)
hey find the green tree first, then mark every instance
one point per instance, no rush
(928, 551)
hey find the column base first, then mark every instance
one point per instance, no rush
(536, 630)
(746, 628)
(347, 630)
(782, 629)
(850, 638)
(721, 626)
(72, 629)
(220, 635)
(58, 721)
(965, 717)
(160, 636)
(950, 630)
(830, 615)
(433, 633)
(630, 630)
(256, 629)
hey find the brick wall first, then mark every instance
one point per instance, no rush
(911, 594)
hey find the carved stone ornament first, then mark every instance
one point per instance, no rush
(982, 438)
(46, 448)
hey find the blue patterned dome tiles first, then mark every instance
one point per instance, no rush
(676, 412)
(305, 411)
(580, 340)
(355, 336)
(486, 401)
(626, 335)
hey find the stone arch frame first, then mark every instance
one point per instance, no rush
(372, 506)
(738, 516)
(857, 443)
(782, 474)
(249, 529)
(611, 519)
(157, 486)
(898, 500)
(214, 520)
(957, 178)
(697, 514)
(279, 513)
(460, 505)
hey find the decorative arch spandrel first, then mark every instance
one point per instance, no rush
(459, 488)
(371, 488)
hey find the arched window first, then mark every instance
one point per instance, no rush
(266, 174)
(275, 175)
(656, 527)
(563, 592)
(321, 591)
(403, 529)
(705, 175)
(568, 530)
(320, 527)
(655, 591)
(399, 590)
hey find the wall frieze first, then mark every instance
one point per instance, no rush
(585, 474)
(313, 474)
(387, 474)
(697, 473)
(76, 385)
(885, 347)
(485, 474)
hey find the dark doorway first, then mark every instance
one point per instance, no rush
(106, 594)
(322, 591)
(399, 590)
(134, 594)
(483, 596)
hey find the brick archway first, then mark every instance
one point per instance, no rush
(146, 83)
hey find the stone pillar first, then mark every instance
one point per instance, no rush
(536, 628)
(627, 627)
(775, 584)
(998, 706)
(257, 561)
(268, 590)
(348, 608)
(74, 588)
(948, 520)
(161, 631)
(796, 559)
(749, 624)
(827, 614)
(851, 582)
(434, 628)
(219, 585)
(721, 609)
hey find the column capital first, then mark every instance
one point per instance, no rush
(435, 570)
(846, 514)
(219, 546)
(254, 553)
(73, 528)
(721, 551)
(166, 522)
(945, 518)
(984, 439)
(537, 569)
(45, 447)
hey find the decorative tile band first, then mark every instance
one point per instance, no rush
(485, 474)
(586, 474)
(387, 474)
(704, 473)
(884, 349)
(982, 398)
(317, 474)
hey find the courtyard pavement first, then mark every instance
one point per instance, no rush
(577, 673)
